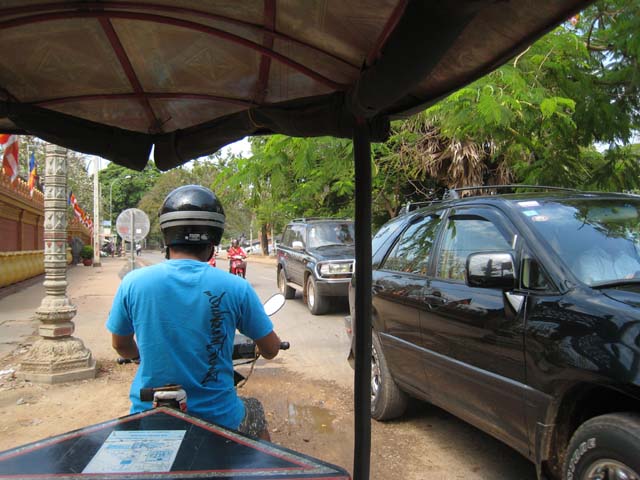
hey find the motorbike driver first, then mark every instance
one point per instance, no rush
(236, 251)
(179, 317)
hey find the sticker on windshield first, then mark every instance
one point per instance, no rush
(529, 204)
(530, 213)
(137, 451)
(539, 218)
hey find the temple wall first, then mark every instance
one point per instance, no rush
(22, 232)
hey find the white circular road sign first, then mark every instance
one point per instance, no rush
(132, 222)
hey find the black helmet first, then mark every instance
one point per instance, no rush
(191, 215)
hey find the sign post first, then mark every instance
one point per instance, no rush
(132, 226)
(133, 229)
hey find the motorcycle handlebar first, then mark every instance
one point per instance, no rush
(247, 350)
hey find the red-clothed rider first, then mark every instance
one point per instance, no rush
(235, 253)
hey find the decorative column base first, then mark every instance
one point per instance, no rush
(57, 361)
(57, 356)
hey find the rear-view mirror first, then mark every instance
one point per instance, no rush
(274, 303)
(490, 270)
(297, 245)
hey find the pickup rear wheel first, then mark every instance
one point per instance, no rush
(286, 290)
(605, 448)
(318, 304)
(387, 400)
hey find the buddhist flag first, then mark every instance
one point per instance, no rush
(10, 155)
(33, 174)
(76, 208)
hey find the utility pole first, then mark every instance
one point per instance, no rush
(96, 213)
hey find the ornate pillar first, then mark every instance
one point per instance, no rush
(57, 356)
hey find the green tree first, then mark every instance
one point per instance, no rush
(79, 182)
(123, 188)
(538, 118)
(290, 177)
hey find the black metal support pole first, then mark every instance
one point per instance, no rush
(362, 381)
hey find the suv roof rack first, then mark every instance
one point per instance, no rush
(453, 193)
(306, 219)
(411, 206)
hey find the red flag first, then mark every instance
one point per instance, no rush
(10, 156)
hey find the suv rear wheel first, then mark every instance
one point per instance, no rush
(286, 290)
(387, 400)
(605, 448)
(317, 304)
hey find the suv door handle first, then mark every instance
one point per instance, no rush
(435, 295)
(434, 300)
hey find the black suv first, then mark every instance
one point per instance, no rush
(316, 256)
(520, 314)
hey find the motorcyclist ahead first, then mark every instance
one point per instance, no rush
(184, 315)
(236, 255)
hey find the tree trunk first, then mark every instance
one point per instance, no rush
(264, 242)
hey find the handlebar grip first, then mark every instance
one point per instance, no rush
(146, 394)
(122, 360)
(284, 345)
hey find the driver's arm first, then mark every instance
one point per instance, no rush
(269, 345)
(125, 345)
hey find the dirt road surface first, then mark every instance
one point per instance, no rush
(309, 405)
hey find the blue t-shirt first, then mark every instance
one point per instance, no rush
(184, 315)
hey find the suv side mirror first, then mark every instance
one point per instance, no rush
(490, 270)
(297, 245)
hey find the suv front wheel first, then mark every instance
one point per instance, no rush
(286, 290)
(317, 304)
(605, 447)
(387, 400)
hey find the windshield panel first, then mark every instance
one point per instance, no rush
(599, 240)
(331, 233)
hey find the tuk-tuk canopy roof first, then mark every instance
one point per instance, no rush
(114, 78)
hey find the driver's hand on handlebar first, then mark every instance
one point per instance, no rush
(269, 345)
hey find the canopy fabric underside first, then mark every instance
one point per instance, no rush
(114, 78)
